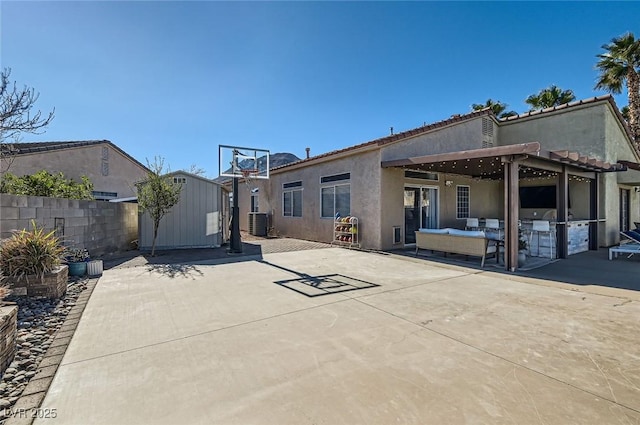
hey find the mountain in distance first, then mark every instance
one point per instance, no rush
(275, 160)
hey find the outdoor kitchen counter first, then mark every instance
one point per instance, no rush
(541, 246)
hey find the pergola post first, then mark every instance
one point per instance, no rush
(562, 229)
(594, 212)
(511, 216)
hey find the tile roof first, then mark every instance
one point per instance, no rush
(35, 147)
(394, 137)
(459, 118)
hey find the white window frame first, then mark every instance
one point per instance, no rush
(334, 186)
(291, 190)
(458, 202)
(298, 187)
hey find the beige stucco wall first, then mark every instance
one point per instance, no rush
(578, 129)
(377, 194)
(456, 137)
(591, 130)
(87, 161)
(365, 199)
(620, 149)
(485, 200)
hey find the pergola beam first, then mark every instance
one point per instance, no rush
(525, 148)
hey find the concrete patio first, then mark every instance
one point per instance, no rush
(332, 336)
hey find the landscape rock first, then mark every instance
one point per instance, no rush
(38, 321)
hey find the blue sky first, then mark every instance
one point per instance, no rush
(176, 79)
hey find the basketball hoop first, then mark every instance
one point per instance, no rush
(248, 176)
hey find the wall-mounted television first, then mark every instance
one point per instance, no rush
(538, 197)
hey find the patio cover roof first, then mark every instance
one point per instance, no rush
(487, 162)
(632, 176)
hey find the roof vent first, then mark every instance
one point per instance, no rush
(487, 132)
(487, 127)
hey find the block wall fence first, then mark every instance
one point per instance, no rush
(99, 226)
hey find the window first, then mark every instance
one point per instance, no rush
(335, 178)
(292, 199)
(180, 180)
(254, 202)
(462, 201)
(102, 196)
(422, 175)
(335, 199)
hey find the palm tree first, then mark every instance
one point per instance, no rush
(549, 97)
(625, 113)
(620, 64)
(497, 107)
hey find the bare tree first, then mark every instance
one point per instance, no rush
(16, 115)
(198, 171)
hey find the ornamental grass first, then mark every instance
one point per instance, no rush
(30, 252)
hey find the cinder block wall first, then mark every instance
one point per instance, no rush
(99, 226)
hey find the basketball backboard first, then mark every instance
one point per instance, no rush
(236, 161)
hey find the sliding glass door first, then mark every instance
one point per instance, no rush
(420, 210)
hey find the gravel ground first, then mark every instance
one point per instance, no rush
(38, 320)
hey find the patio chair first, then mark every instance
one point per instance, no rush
(541, 227)
(631, 247)
(492, 225)
(632, 235)
(472, 224)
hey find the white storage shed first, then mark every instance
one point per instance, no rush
(195, 221)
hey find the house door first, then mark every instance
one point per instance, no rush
(420, 210)
(624, 209)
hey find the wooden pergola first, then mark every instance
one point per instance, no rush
(512, 163)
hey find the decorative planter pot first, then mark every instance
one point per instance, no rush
(52, 285)
(522, 258)
(78, 269)
(94, 268)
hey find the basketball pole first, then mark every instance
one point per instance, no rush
(236, 242)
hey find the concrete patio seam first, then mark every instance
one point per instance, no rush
(452, 338)
(344, 299)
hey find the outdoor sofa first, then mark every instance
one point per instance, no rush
(456, 241)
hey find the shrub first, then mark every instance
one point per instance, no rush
(43, 183)
(30, 252)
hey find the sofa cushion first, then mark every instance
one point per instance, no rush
(469, 233)
(435, 231)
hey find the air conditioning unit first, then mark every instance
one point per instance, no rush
(257, 224)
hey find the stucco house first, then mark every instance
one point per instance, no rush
(112, 171)
(574, 164)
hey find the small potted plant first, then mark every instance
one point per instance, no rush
(76, 259)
